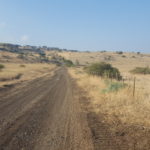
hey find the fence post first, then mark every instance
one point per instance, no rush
(134, 86)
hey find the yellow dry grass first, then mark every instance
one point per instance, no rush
(28, 71)
(124, 64)
(119, 105)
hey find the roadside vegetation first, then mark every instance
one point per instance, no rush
(113, 86)
(125, 115)
(104, 70)
(66, 62)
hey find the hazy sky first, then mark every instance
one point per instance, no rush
(77, 24)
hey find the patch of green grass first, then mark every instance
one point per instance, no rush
(113, 86)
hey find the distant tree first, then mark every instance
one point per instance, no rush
(119, 52)
(138, 53)
(103, 51)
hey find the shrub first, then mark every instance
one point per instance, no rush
(113, 86)
(42, 54)
(104, 70)
(2, 66)
(138, 53)
(141, 70)
(108, 58)
(68, 63)
(18, 76)
(119, 52)
(103, 51)
(124, 56)
(22, 66)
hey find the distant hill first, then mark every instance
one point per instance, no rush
(28, 48)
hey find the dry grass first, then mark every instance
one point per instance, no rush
(28, 68)
(126, 117)
(121, 105)
(28, 71)
(124, 64)
(9, 57)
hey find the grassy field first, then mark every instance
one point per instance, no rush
(8, 75)
(121, 103)
(126, 116)
(124, 62)
(18, 67)
(121, 111)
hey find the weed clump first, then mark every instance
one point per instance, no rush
(68, 63)
(23, 66)
(104, 70)
(123, 56)
(113, 86)
(119, 52)
(141, 70)
(1, 67)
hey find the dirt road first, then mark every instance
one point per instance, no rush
(43, 114)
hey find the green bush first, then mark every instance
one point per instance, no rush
(113, 86)
(68, 63)
(104, 70)
(2, 66)
(141, 70)
(119, 52)
(138, 53)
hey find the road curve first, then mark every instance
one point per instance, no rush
(44, 114)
